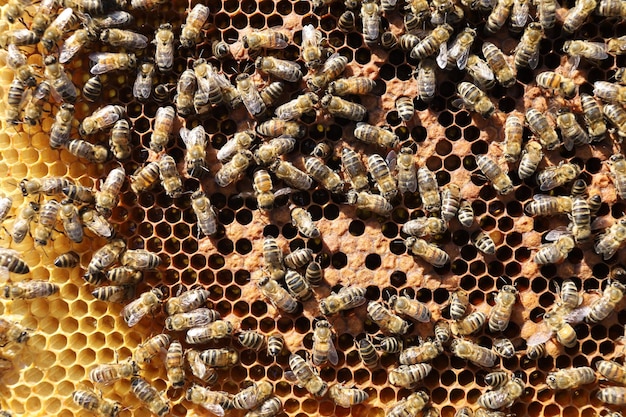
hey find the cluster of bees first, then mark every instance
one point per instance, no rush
(64, 31)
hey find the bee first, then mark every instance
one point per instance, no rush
(581, 219)
(459, 303)
(240, 141)
(34, 108)
(420, 8)
(297, 107)
(616, 46)
(570, 378)
(499, 179)
(480, 72)
(572, 133)
(558, 322)
(474, 353)
(468, 325)
(610, 8)
(105, 18)
(94, 403)
(297, 285)
(355, 169)
(409, 406)
(371, 18)
(142, 88)
(527, 51)
(500, 314)
(60, 82)
(311, 46)
(323, 346)
(57, 28)
(407, 173)
(27, 290)
(531, 157)
(95, 222)
(277, 127)
(104, 258)
(219, 358)
(267, 38)
(442, 331)
(62, 126)
(164, 41)
(71, 221)
(546, 205)
(407, 376)
(47, 219)
(277, 295)
(593, 117)
(385, 182)
(108, 196)
(428, 190)
(616, 114)
(170, 178)
(213, 401)
(234, 168)
(217, 329)
(271, 93)
(497, 379)
(220, 49)
(609, 92)
(459, 51)
(11, 331)
(579, 48)
(612, 371)
(251, 339)
(43, 16)
(174, 364)
(474, 99)
(602, 307)
(185, 89)
(372, 202)
(250, 95)
(546, 12)
(195, 157)
(186, 302)
(464, 412)
(375, 135)
(145, 177)
(147, 302)
(557, 82)
(163, 122)
(253, 396)
(427, 251)
(124, 275)
(338, 107)
(367, 352)
(140, 259)
(15, 99)
(555, 252)
(577, 15)
(275, 344)
(124, 38)
(304, 223)
(553, 177)
(291, 175)
(484, 243)
(306, 376)
(314, 274)
(263, 189)
(425, 352)
(108, 373)
(331, 69)
(346, 397)
(101, 119)
(498, 16)
(541, 128)
(273, 258)
(617, 168)
(149, 396)
(191, 30)
(280, 68)
(67, 260)
(424, 226)
(498, 64)
(198, 317)
(268, 153)
(79, 193)
(388, 40)
(347, 298)
(513, 136)
(92, 89)
(347, 22)
(612, 395)
(18, 37)
(503, 347)
(536, 351)
(387, 321)
(504, 396)
(111, 61)
(432, 42)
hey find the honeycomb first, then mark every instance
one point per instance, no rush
(73, 332)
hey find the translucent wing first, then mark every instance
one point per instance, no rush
(541, 336)
(461, 61)
(70, 47)
(134, 312)
(332, 353)
(533, 61)
(392, 160)
(574, 60)
(577, 315)
(549, 179)
(63, 18)
(105, 62)
(520, 13)
(442, 58)
(555, 234)
(483, 70)
(596, 50)
(216, 409)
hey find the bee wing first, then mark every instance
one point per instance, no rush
(548, 179)
(597, 50)
(459, 103)
(555, 234)
(332, 353)
(283, 191)
(392, 160)
(520, 17)
(63, 18)
(69, 48)
(483, 70)
(573, 60)
(4, 274)
(185, 135)
(461, 61)
(533, 61)
(252, 102)
(541, 336)
(442, 58)
(308, 36)
(132, 314)
(104, 62)
(216, 409)
(291, 376)
(329, 62)
(601, 223)
(9, 252)
(577, 315)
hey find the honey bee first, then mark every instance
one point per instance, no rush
(164, 41)
(234, 168)
(251, 339)
(174, 364)
(213, 401)
(372, 202)
(427, 251)
(407, 173)
(108, 373)
(426, 79)
(616, 46)
(263, 189)
(612, 395)
(278, 296)
(616, 114)
(47, 219)
(142, 88)
(578, 48)
(265, 39)
(580, 227)
(205, 213)
(612, 371)
(191, 30)
(424, 226)
(498, 64)
(111, 61)
(346, 397)
(484, 243)
(71, 221)
(297, 285)
(329, 179)
(331, 69)
(553, 177)
(375, 135)
(405, 108)
(27, 290)
(355, 169)
(277, 127)
(409, 406)
(338, 107)
(297, 107)
(482, 75)
(34, 108)
(537, 351)
(474, 99)
(199, 369)
(555, 252)
(94, 403)
(500, 314)
(149, 396)
(104, 258)
(577, 15)
(304, 223)
(15, 99)
(140, 259)
(498, 16)
(617, 167)
(275, 344)
(146, 5)
(385, 182)
(347, 22)
(425, 352)
(92, 88)
(314, 274)
(570, 378)
(311, 46)
(504, 396)
(610, 8)
(253, 396)
(124, 275)
(195, 157)
(185, 89)
(572, 133)
(464, 412)
(43, 16)
(546, 205)
(546, 12)
(459, 52)
(104, 18)
(388, 40)
(280, 68)
(527, 51)
(432, 42)
(474, 353)
(67, 260)
(347, 298)
(217, 329)
(407, 376)
(499, 179)
(367, 353)
(186, 302)
(62, 126)
(557, 321)
(163, 122)
(240, 141)
(219, 358)
(468, 325)
(197, 317)
(79, 193)
(306, 376)
(148, 302)
(170, 178)
(108, 196)
(371, 18)
(609, 92)
(291, 175)
(220, 49)
(60, 82)
(593, 117)
(95, 222)
(124, 38)
(273, 258)
(101, 119)
(272, 92)
(504, 347)
(602, 307)
(387, 321)
(323, 346)
(57, 28)
(497, 379)
(459, 302)
(541, 128)
(428, 190)
(513, 136)
(145, 177)
(531, 157)
(268, 153)
(558, 83)
(18, 37)
(250, 95)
